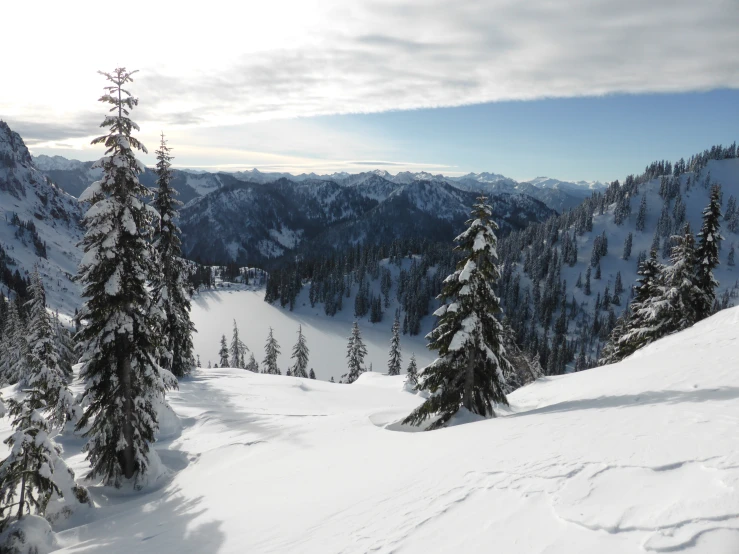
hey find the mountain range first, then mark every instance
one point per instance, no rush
(229, 219)
(74, 176)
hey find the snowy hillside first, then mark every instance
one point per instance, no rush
(39, 223)
(631, 458)
(536, 259)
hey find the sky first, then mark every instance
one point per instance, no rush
(579, 90)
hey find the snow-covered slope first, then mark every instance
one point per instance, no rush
(632, 458)
(26, 193)
(214, 311)
(694, 197)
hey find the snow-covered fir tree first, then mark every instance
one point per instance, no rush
(300, 355)
(633, 328)
(43, 363)
(170, 282)
(412, 371)
(271, 351)
(676, 307)
(355, 353)
(312, 374)
(237, 350)
(12, 347)
(119, 337)
(472, 362)
(395, 360)
(27, 473)
(66, 347)
(223, 353)
(252, 364)
(707, 255)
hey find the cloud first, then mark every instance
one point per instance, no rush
(219, 71)
(424, 54)
(32, 131)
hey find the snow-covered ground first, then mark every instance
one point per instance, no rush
(642, 456)
(214, 311)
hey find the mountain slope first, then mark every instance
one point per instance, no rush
(632, 458)
(253, 223)
(39, 223)
(530, 255)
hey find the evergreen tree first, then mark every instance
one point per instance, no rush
(587, 282)
(666, 303)
(412, 371)
(641, 217)
(28, 471)
(223, 353)
(65, 347)
(121, 333)
(312, 374)
(271, 351)
(252, 366)
(627, 246)
(44, 369)
(300, 355)
(355, 353)
(332, 379)
(395, 360)
(12, 347)
(706, 255)
(237, 349)
(170, 280)
(730, 259)
(675, 308)
(469, 371)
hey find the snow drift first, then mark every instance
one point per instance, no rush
(640, 456)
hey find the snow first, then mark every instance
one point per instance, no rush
(467, 271)
(636, 457)
(30, 535)
(213, 313)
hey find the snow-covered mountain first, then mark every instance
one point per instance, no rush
(251, 223)
(576, 187)
(639, 457)
(39, 224)
(75, 176)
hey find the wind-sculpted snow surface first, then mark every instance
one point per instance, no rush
(631, 458)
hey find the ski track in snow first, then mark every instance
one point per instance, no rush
(635, 457)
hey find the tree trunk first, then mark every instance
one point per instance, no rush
(126, 456)
(469, 380)
(23, 485)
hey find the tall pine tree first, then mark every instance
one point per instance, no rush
(355, 353)
(469, 371)
(44, 366)
(223, 353)
(271, 351)
(300, 355)
(706, 255)
(395, 360)
(120, 331)
(170, 283)
(238, 349)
